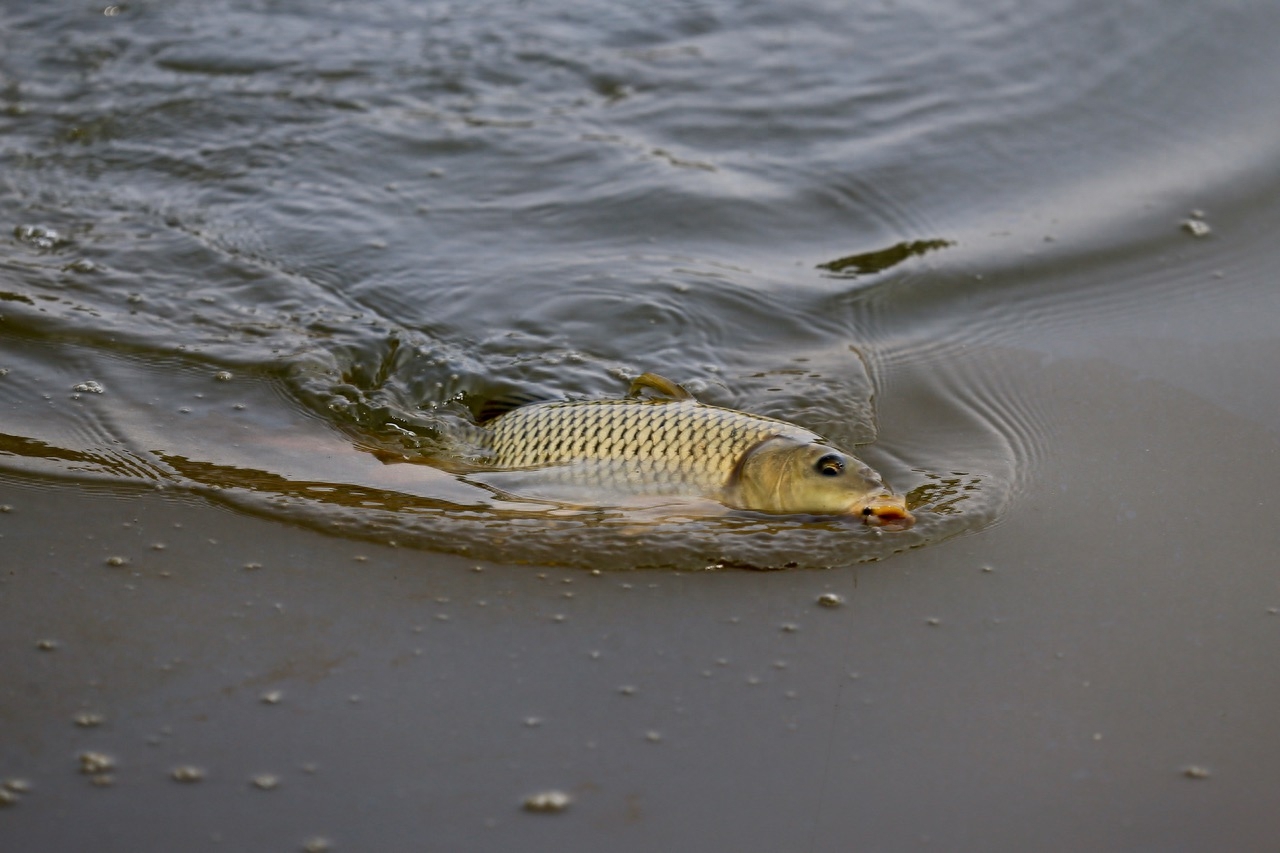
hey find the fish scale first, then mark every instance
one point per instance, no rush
(665, 443)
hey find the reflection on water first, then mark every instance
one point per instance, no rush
(943, 495)
(868, 263)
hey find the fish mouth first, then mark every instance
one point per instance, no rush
(888, 513)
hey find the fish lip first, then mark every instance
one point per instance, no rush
(887, 513)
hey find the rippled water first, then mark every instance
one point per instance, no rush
(377, 220)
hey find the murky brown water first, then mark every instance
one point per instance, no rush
(1021, 253)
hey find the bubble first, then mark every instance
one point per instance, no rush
(316, 845)
(47, 645)
(39, 236)
(116, 562)
(1196, 227)
(88, 719)
(89, 386)
(265, 781)
(547, 802)
(96, 763)
(222, 376)
(272, 697)
(830, 599)
(187, 773)
(1196, 771)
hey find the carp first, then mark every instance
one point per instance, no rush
(659, 440)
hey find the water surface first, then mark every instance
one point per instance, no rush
(1019, 255)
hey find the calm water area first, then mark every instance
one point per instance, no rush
(1021, 255)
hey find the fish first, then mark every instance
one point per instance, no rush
(660, 440)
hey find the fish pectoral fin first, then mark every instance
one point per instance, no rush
(659, 385)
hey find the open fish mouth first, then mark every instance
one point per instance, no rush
(889, 513)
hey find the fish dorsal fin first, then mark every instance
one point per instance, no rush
(496, 407)
(659, 385)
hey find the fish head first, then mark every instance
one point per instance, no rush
(787, 475)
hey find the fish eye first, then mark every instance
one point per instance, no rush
(830, 465)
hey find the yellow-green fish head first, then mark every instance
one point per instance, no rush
(785, 475)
